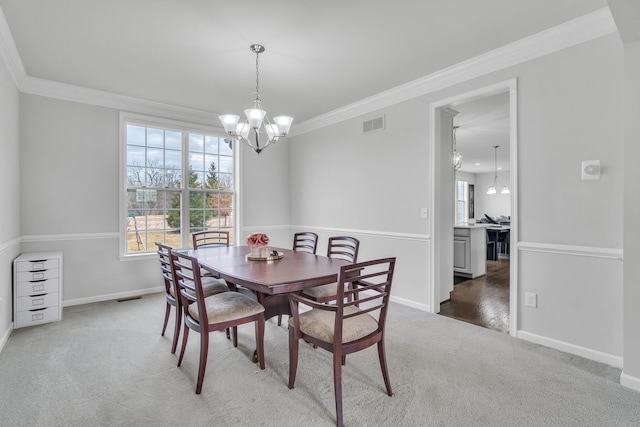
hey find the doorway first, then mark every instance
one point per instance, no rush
(488, 293)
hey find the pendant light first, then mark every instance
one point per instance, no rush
(496, 181)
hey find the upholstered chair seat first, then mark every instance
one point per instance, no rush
(210, 286)
(320, 324)
(227, 306)
(322, 292)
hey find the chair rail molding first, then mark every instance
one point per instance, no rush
(573, 250)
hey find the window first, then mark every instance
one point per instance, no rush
(177, 181)
(462, 199)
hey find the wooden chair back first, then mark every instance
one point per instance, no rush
(164, 254)
(189, 286)
(343, 247)
(305, 242)
(171, 293)
(210, 238)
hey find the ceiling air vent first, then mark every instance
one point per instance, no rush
(373, 125)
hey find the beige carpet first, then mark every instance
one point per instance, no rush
(106, 364)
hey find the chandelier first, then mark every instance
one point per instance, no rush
(256, 118)
(496, 181)
(457, 157)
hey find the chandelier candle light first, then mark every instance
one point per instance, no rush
(457, 157)
(256, 118)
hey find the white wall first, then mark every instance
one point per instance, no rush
(569, 110)
(10, 196)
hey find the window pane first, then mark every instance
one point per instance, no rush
(196, 161)
(226, 149)
(211, 144)
(172, 178)
(135, 135)
(155, 157)
(196, 143)
(173, 159)
(135, 155)
(226, 164)
(173, 140)
(225, 181)
(155, 138)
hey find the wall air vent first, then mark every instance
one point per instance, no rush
(373, 125)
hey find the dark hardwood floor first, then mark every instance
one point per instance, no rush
(483, 301)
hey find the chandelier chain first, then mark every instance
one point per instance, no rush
(257, 78)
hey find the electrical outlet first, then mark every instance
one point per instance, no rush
(531, 299)
(424, 213)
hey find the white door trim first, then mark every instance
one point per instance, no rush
(434, 132)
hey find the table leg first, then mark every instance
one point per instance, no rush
(274, 305)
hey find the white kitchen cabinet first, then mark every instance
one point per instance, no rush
(469, 251)
(37, 288)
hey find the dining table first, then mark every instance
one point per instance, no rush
(270, 279)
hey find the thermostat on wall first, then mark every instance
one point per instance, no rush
(591, 169)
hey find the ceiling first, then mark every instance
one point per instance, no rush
(482, 124)
(320, 55)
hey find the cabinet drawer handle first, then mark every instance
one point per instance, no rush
(37, 316)
(39, 309)
(37, 280)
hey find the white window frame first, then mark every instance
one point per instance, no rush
(125, 119)
(465, 199)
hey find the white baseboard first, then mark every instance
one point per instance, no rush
(5, 336)
(629, 381)
(412, 304)
(109, 297)
(587, 353)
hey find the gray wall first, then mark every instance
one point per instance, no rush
(570, 109)
(9, 194)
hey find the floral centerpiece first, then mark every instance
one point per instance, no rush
(257, 242)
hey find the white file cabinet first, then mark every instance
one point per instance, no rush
(37, 288)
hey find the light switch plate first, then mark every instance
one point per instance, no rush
(531, 299)
(424, 213)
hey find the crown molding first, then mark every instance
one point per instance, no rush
(585, 28)
(588, 27)
(67, 92)
(9, 53)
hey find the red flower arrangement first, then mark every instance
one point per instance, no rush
(257, 239)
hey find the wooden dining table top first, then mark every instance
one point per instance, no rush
(295, 271)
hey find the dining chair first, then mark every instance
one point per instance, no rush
(172, 300)
(305, 241)
(210, 238)
(204, 314)
(352, 324)
(341, 247)
(210, 285)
